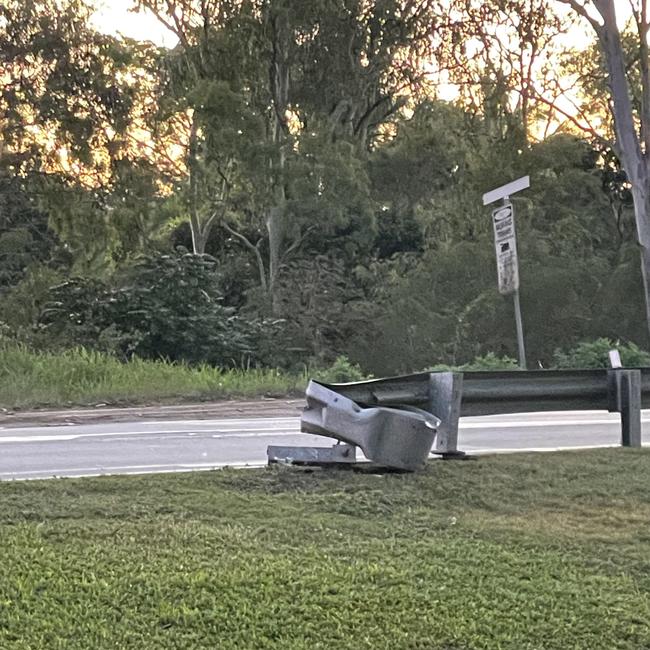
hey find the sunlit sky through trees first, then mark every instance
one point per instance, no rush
(113, 16)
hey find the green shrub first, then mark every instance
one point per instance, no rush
(491, 361)
(593, 354)
(342, 370)
(21, 304)
(167, 306)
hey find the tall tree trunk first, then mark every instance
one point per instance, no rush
(275, 228)
(198, 238)
(628, 144)
(280, 136)
(641, 196)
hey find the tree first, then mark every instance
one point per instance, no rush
(631, 123)
(434, 173)
(284, 100)
(499, 57)
(25, 239)
(68, 93)
(74, 113)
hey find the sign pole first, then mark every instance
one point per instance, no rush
(505, 242)
(518, 320)
(520, 331)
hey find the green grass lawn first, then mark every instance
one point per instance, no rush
(522, 551)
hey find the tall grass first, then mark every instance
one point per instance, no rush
(81, 377)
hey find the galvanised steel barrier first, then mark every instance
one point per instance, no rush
(450, 395)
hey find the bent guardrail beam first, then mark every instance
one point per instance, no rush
(398, 438)
(452, 395)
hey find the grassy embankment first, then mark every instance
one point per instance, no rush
(79, 377)
(529, 551)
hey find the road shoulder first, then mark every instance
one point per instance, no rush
(265, 407)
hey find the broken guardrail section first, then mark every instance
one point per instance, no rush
(396, 420)
(397, 436)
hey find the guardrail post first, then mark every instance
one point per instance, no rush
(624, 388)
(445, 394)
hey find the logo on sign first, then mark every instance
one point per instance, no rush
(505, 243)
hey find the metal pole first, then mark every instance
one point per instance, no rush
(445, 396)
(520, 328)
(520, 331)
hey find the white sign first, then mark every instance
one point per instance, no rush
(505, 191)
(615, 359)
(505, 243)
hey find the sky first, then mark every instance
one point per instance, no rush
(113, 17)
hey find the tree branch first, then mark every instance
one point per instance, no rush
(207, 226)
(171, 26)
(297, 242)
(582, 11)
(254, 249)
(586, 128)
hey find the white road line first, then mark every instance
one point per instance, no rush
(280, 429)
(515, 450)
(237, 422)
(261, 433)
(262, 425)
(179, 466)
(173, 468)
(234, 423)
(510, 424)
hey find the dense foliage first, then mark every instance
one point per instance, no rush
(330, 198)
(167, 306)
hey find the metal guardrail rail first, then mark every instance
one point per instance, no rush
(450, 395)
(493, 393)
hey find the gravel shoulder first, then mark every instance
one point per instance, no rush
(226, 409)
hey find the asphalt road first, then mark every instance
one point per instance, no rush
(139, 447)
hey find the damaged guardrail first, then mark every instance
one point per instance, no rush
(397, 435)
(625, 391)
(399, 438)
(397, 421)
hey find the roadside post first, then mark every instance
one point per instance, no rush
(625, 396)
(505, 244)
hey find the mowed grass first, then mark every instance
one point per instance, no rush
(523, 551)
(81, 377)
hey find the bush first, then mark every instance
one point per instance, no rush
(593, 354)
(491, 361)
(20, 305)
(167, 306)
(342, 370)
